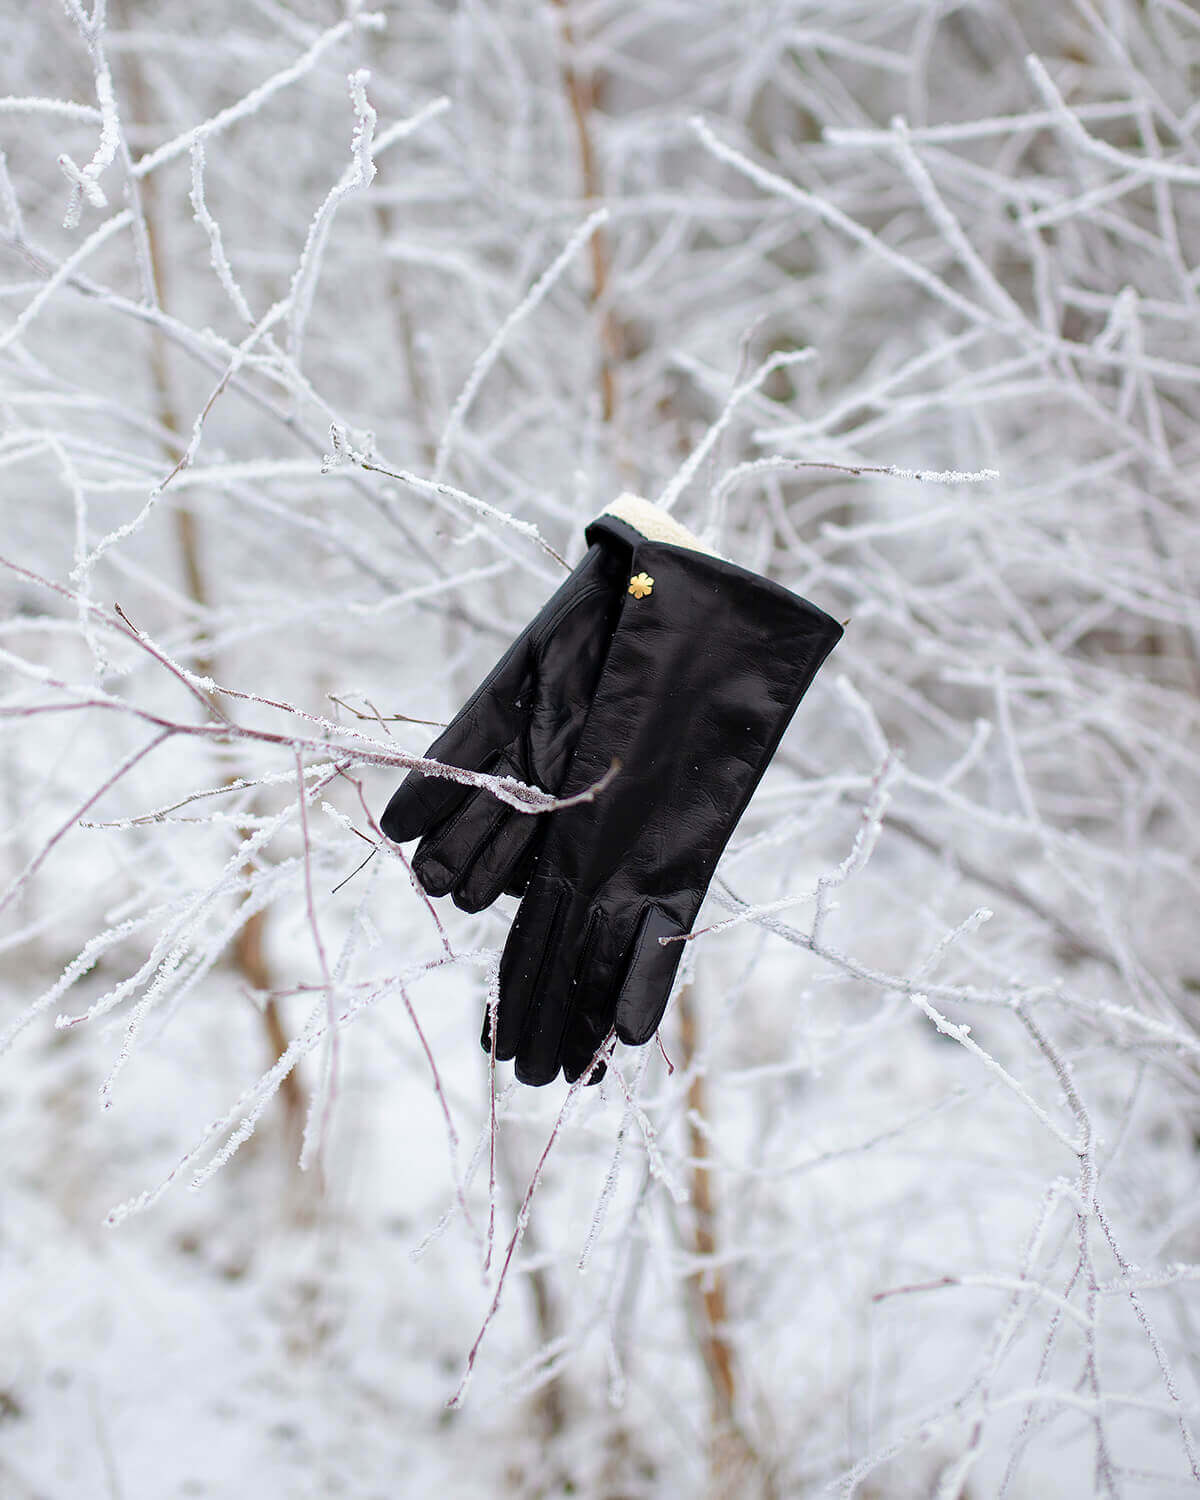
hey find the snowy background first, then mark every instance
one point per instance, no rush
(898, 304)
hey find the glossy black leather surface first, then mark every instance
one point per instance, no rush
(702, 677)
(524, 720)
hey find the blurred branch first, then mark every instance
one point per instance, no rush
(736, 1470)
(583, 95)
(249, 951)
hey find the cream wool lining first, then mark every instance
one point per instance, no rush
(655, 524)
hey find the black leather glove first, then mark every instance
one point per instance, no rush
(523, 721)
(707, 664)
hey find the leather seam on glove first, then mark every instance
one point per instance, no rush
(432, 850)
(461, 877)
(591, 933)
(591, 936)
(438, 836)
(539, 638)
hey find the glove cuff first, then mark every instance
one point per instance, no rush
(655, 524)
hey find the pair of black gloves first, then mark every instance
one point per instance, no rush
(682, 669)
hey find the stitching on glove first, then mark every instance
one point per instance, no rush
(591, 933)
(655, 524)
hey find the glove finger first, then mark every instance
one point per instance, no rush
(492, 870)
(648, 979)
(533, 986)
(593, 994)
(574, 1071)
(623, 982)
(578, 995)
(421, 802)
(444, 855)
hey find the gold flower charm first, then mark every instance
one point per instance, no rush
(640, 585)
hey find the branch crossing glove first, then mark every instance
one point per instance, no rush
(707, 664)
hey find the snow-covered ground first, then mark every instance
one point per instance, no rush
(897, 304)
